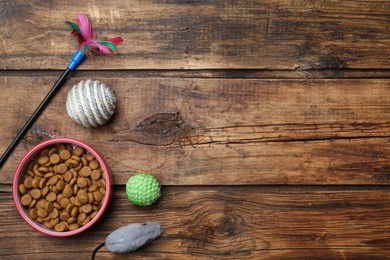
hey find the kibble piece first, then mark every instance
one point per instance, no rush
(64, 216)
(86, 208)
(47, 165)
(89, 156)
(55, 190)
(42, 183)
(53, 180)
(48, 224)
(85, 171)
(33, 203)
(54, 213)
(67, 192)
(36, 193)
(102, 184)
(30, 173)
(95, 175)
(64, 202)
(49, 206)
(39, 219)
(60, 197)
(77, 202)
(68, 176)
(78, 168)
(71, 220)
(41, 204)
(65, 155)
(26, 200)
(62, 168)
(35, 182)
(75, 189)
(74, 173)
(93, 214)
(28, 182)
(31, 165)
(43, 159)
(94, 164)
(43, 169)
(78, 150)
(81, 217)
(55, 158)
(73, 163)
(57, 205)
(73, 226)
(82, 182)
(97, 196)
(42, 213)
(55, 221)
(74, 212)
(90, 198)
(49, 175)
(84, 161)
(85, 222)
(46, 218)
(38, 173)
(60, 185)
(76, 157)
(60, 147)
(44, 152)
(83, 199)
(73, 181)
(93, 188)
(33, 213)
(45, 190)
(81, 192)
(60, 227)
(52, 151)
(22, 189)
(69, 207)
(51, 196)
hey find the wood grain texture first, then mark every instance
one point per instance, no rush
(169, 34)
(228, 222)
(221, 131)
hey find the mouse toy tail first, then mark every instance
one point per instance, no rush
(95, 250)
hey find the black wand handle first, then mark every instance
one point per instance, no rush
(34, 116)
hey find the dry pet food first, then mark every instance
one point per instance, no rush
(64, 188)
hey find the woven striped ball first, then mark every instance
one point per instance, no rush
(90, 103)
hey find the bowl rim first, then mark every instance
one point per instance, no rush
(26, 158)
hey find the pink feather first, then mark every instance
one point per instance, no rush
(85, 26)
(95, 43)
(86, 38)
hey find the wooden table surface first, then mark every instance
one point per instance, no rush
(267, 123)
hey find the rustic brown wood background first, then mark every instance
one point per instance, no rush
(267, 123)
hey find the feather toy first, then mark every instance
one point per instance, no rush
(88, 45)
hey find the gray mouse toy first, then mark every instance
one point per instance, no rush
(131, 237)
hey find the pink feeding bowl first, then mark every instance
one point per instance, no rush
(21, 174)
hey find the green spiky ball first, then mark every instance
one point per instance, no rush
(143, 189)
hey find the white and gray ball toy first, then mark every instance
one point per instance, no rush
(90, 103)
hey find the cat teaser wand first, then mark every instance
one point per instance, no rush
(87, 45)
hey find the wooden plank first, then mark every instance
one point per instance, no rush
(214, 73)
(292, 35)
(221, 131)
(228, 222)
